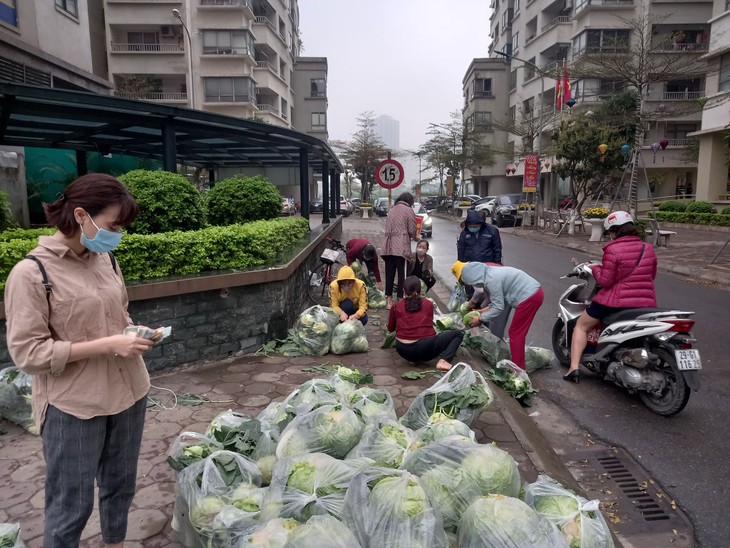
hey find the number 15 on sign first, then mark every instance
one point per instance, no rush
(389, 173)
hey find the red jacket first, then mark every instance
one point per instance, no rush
(624, 284)
(412, 326)
(354, 252)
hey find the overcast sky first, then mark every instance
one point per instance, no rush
(404, 58)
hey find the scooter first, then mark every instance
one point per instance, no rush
(647, 351)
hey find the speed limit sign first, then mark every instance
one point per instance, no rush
(389, 173)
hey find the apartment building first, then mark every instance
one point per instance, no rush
(310, 93)
(547, 33)
(713, 177)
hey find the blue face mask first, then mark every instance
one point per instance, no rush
(474, 229)
(104, 241)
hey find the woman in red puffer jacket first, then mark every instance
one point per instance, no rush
(626, 280)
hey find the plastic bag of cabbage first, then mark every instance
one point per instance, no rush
(15, 395)
(371, 403)
(10, 536)
(537, 358)
(386, 442)
(218, 500)
(310, 395)
(349, 336)
(455, 471)
(331, 429)
(385, 507)
(190, 447)
(272, 534)
(491, 347)
(448, 322)
(322, 532)
(506, 522)
(580, 520)
(313, 330)
(460, 394)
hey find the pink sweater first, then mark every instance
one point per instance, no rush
(624, 284)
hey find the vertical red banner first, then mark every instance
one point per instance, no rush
(529, 180)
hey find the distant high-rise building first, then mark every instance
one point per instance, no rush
(388, 130)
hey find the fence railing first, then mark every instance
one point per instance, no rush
(163, 96)
(676, 95)
(266, 65)
(555, 22)
(147, 48)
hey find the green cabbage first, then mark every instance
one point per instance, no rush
(371, 403)
(349, 336)
(334, 430)
(464, 308)
(322, 532)
(272, 534)
(492, 470)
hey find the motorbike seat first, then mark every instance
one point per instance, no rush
(630, 314)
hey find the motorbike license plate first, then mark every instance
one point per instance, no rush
(688, 360)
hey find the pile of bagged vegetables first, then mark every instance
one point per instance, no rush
(334, 467)
(15, 396)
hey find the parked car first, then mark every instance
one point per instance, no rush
(346, 207)
(380, 206)
(288, 207)
(505, 211)
(356, 204)
(427, 224)
(315, 206)
(485, 203)
(473, 197)
(430, 202)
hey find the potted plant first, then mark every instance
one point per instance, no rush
(595, 215)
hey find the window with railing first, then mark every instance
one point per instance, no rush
(611, 87)
(677, 130)
(507, 18)
(530, 69)
(513, 113)
(318, 87)
(724, 84)
(479, 122)
(319, 120)
(230, 90)
(69, 6)
(515, 41)
(513, 80)
(683, 89)
(142, 41)
(284, 109)
(605, 41)
(482, 87)
(221, 42)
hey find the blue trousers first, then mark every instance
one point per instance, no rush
(349, 308)
(79, 451)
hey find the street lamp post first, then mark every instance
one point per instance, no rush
(539, 129)
(176, 14)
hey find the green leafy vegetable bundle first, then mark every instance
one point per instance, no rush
(10, 536)
(15, 396)
(492, 348)
(513, 380)
(313, 330)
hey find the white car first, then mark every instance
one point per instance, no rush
(486, 203)
(427, 225)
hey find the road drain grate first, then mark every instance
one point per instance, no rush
(632, 502)
(645, 503)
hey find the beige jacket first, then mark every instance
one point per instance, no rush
(88, 301)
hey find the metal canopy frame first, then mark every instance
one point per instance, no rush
(32, 116)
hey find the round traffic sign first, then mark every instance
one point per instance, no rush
(389, 173)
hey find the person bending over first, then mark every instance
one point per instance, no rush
(416, 339)
(349, 296)
(360, 249)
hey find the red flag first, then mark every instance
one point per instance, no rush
(558, 91)
(566, 84)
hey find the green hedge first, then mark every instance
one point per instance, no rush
(673, 205)
(148, 256)
(700, 206)
(714, 219)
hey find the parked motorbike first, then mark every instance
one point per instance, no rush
(644, 350)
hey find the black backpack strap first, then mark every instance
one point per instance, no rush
(113, 259)
(46, 284)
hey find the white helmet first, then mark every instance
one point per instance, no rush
(616, 219)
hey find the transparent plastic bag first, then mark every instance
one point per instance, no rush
(313, 330)
(235, 432)
(10, 536)
(15, 398)
(190, 447)
(376, 298)
(346, 380)
(322, 532)
(507, 522)
(331, 429)
(537, 358)
(514, 380)
(385, 507)
(272, 534)
(218, 500)
(457, 297)
(308, 485)
(273, 419)
(455, 471)
(448, 322)
(348, 337)
(445, 399)
(371, 403)
(310, 395)
(386, 442)
(443, 429)
(580, 520)
(491, 347)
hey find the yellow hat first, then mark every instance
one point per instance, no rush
(456, 269)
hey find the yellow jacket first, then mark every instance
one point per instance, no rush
(358, 294)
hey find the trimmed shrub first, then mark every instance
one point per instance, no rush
(6, 216)
(673, 205)
(711, 219)
(725, 210)
(700, 207)
(25, 233)
(242, 199)
(167, 201)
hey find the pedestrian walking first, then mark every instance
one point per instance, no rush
(400, 229)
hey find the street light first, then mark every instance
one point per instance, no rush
(176, 13)
(542, 108)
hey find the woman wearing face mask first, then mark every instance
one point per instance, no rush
(89, 380)
(421, 266)
(349, 296)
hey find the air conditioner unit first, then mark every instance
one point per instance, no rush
(168, 31)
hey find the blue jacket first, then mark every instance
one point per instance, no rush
(484, 246)
(503, 283)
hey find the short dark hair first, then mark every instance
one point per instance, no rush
(412, 292)
(423, 241)
(406, 197)
(626, 229)
(93, 193)
(368, 252)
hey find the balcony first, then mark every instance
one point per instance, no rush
(120, 47)
(676, 95)
(161, 97)
(677, 143)
(263, 20)
(669, 46)
(268, 66)
(263, 107)
(226, 3)
(562, 19)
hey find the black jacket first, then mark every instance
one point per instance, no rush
(484, 246)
